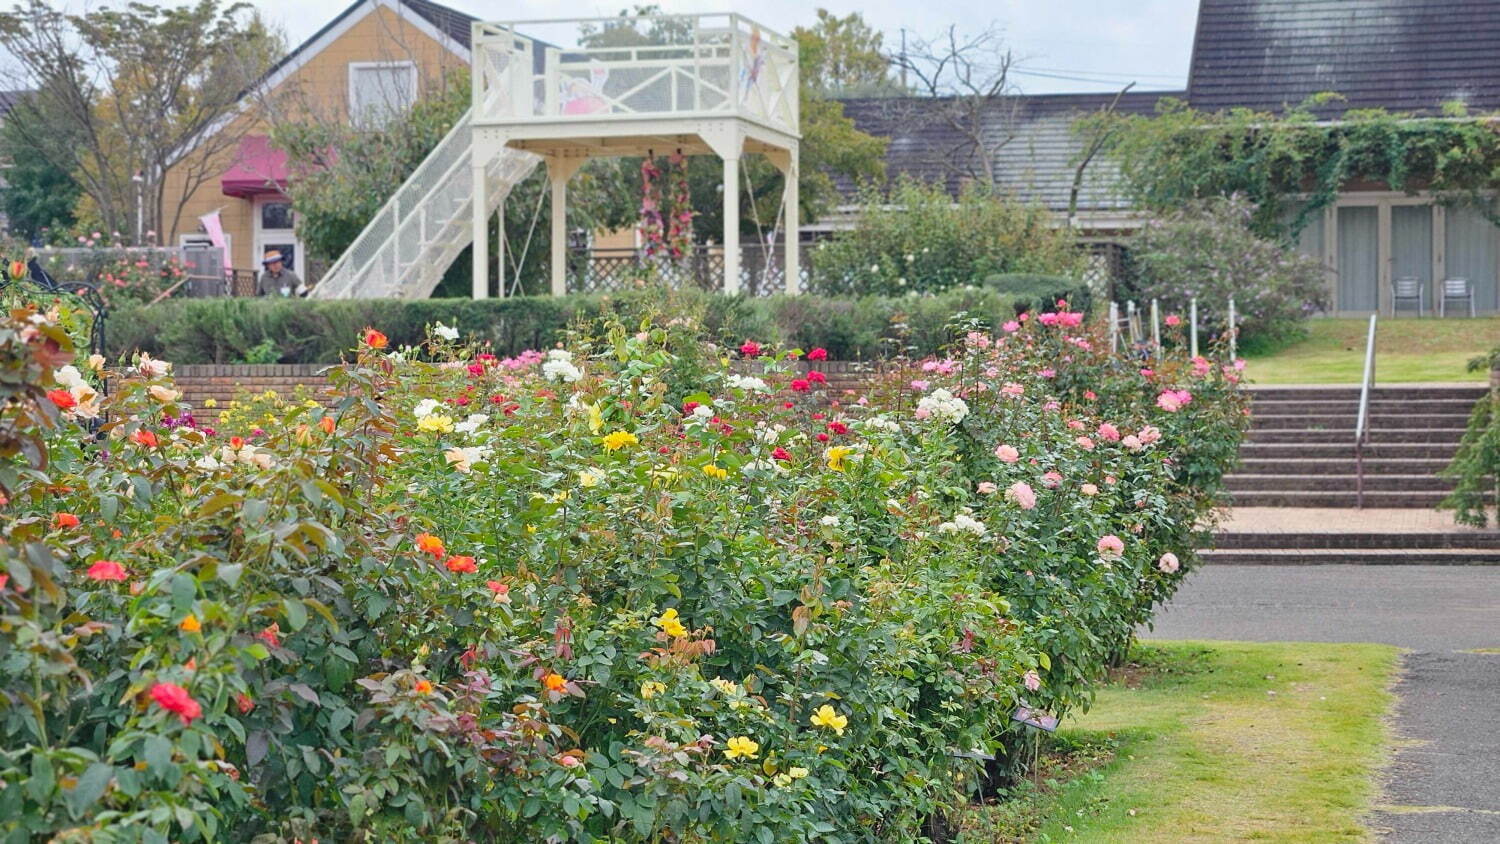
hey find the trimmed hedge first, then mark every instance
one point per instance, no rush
(310, 331)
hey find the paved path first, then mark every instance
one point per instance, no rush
(1444, 782)
(1343, 520)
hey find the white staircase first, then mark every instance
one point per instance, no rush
(404, 251)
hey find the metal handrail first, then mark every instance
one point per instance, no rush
(1361, 425)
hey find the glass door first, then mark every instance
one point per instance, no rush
(1411, 251)
(1358, 258)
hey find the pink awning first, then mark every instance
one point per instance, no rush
(258, 169)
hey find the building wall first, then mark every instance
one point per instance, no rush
(318, 90)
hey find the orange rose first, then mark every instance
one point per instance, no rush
(424, 687)
(554, 682)
(431, 544)
(64, 520)
(62, 398)
(145, 438)
(17, 269)
(374, 339)
(461, 564)
(327, 424)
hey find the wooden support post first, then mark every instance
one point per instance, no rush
(479, 219)
(559, 171)
(732, 223)
(792, 263)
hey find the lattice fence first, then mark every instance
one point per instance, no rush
(762, 270)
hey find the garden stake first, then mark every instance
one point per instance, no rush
(1193, 323)
(1156, 328)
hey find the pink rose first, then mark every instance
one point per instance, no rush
(1032, 680)
(987, 488)
(1089, 490)
(1168, 563)
(1110, 545)
(1007, 453)
(1021, 493)
(1108, 432)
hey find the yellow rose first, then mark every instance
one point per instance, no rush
(717, 472)
(827, 717)
(836, 457)
(670, 624)
(741, 746)
(619, 439)
(652, 688)
(436, 423)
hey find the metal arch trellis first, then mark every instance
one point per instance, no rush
(87, 292)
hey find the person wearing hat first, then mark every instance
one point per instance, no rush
(276, 279)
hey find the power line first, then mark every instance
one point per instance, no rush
(1123, 74)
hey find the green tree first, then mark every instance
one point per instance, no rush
(39, 195)
(134, 89)
(841, 57)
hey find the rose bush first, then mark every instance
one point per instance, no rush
(622, 590)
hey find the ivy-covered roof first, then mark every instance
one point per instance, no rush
(1401, 55)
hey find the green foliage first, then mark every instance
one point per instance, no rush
(1475, 468)
(39, 195)
(1039, 292)
(1291, 166)
(917, 239)
(1207, 249)
(587, 611)
(310, 331)
(841, 57)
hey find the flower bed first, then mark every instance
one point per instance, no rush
(616, 591)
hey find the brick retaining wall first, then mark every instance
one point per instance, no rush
(221, 382)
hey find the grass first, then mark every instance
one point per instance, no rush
(1207, 742)
(1406, 350)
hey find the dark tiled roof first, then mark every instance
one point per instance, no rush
(9, 99)
(1404, 55)
(1034, 165)
(453, 23)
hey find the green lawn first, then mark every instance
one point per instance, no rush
(1216, 741)
(1405, 350)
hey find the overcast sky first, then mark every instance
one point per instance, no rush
(1099, 44)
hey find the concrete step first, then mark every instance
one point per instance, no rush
(1373, 451)
(1241, 482)
(1247, 541)
(1346, 435)
(1472, 392)
(1392, 422)
(1370, 556)
(1341, 466)
(1350, 407)
(1346, 498)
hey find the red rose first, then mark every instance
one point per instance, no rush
(819, 353)
(801, 385)
(175, 699)
(63, 399)
(750, 349)
(816, 377)
(781, 454)
(107, 570)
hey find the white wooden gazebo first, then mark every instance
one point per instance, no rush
(721, 85)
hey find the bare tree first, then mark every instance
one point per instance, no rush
(966, 81)
(145, 90)
(1097, 130)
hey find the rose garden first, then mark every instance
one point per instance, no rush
(637, 586)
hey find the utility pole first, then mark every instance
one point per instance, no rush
(903, 60)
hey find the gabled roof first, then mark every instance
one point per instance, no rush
(448, 26)
(1034, 165)
(1403, 55)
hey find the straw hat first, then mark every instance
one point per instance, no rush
(272, 257)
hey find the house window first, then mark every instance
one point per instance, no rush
(379, 91)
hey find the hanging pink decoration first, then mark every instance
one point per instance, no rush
(679, 241)
(652, 225)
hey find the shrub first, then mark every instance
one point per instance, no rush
(540, 598)
(918, 238)
(1207, 250)
(1475, 468)
(1034, 292)
(312, 331)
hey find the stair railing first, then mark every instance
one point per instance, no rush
(1362, 423)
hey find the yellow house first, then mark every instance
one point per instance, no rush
(370, 62)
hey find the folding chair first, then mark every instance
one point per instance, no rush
(1408, 289)
(1456, 288)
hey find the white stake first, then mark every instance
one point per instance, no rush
(1156, 327)
(1233, 331)
(1193, 323)
(1114, 327)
